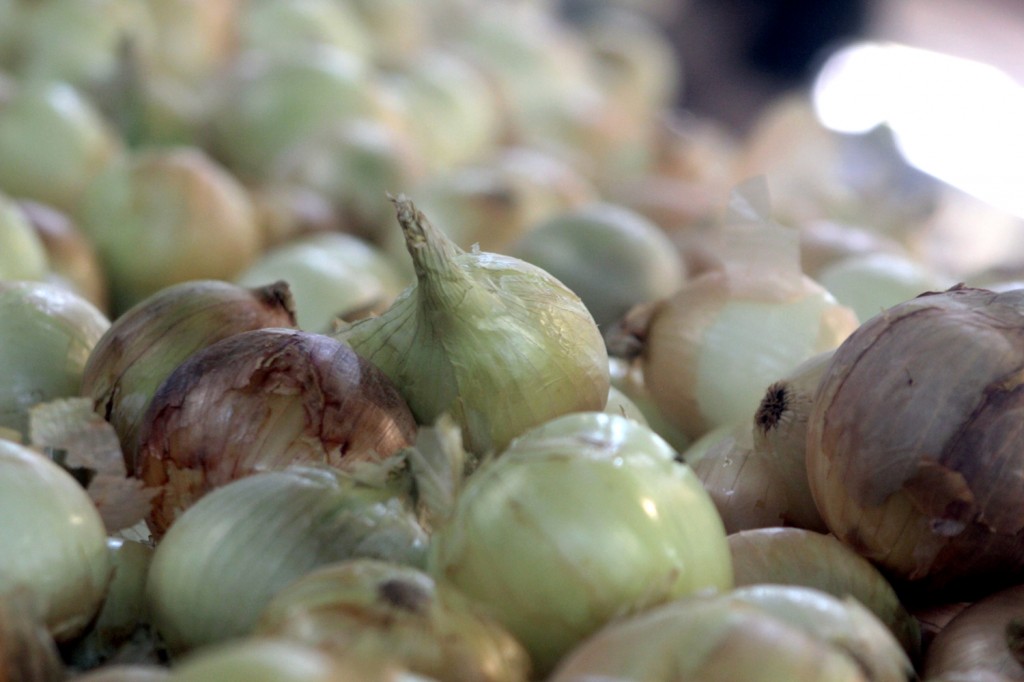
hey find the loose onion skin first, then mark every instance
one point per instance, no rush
(914, 442)
(260, 400)
(986, 636)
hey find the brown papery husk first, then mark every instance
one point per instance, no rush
(263, 400)
(915, 443)
(744, 486)
(780, 436)
(987, 635)
(796, 556)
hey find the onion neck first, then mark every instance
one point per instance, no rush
(439, 278)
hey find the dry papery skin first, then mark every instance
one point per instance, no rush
(263, 400)
(916, 442)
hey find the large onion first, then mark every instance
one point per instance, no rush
(583, 519)
(914, 441)
(261, 400)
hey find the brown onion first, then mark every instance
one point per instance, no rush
(914, 442)
(262, 400)
(987, 636)
(145, 344)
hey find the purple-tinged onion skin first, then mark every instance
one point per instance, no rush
(915, 443)
(263, 400)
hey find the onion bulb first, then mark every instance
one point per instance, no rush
(780, 435)
(585, 518)
(46, 336)
(265, 399)
(331, 276)
(73, 260)
(795, 556)
(264, 659)
(704, 637)
(22, 253)
(147, 342)
(987, 635)
(168, 215)
(373, 609)
(477, 334)
(913, 438)
(612, 257)
(709, 350)
(55, 543)
(222, 561)
(54, 142)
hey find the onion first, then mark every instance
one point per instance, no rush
(261, 659)
(271, 27)
(705, 637)
(286, 211)
(72, 258)
(912, 441)
(795, 556)
(53, 142)
(353, 164)
(27, 651)
(279, 526)
(709, 350)
(260, 400)
(476, 334)
(628, 378)
(54, 541)
(46, 336)
(780, 436)
(747, 489)
(987, 636)
(331, 276)
(584, 519)
(145, 344)
(372, 609)
(168, 215)
(445, 102)
(870, 283)
(612, 257)
(267, 103)
(122, 615)
(22, 253)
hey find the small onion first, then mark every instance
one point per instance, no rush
(55, 543)
(265, 399)
(262, 659)
(73, 260)
(795, 556)
(331, 276)
(372, 609)
(707, 638)
(872, 282)
(46, 336)
(222, 561)
(987, 636)
(627, 377)
(22, 252)
(586, 518)
(477, 334)
(913, 439)
(267, 103)
(612, 257)
(149, 340)
(53, 142)
(168, 215)
(709, 350)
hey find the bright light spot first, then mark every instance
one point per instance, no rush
(649, 507)
(955, 119)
